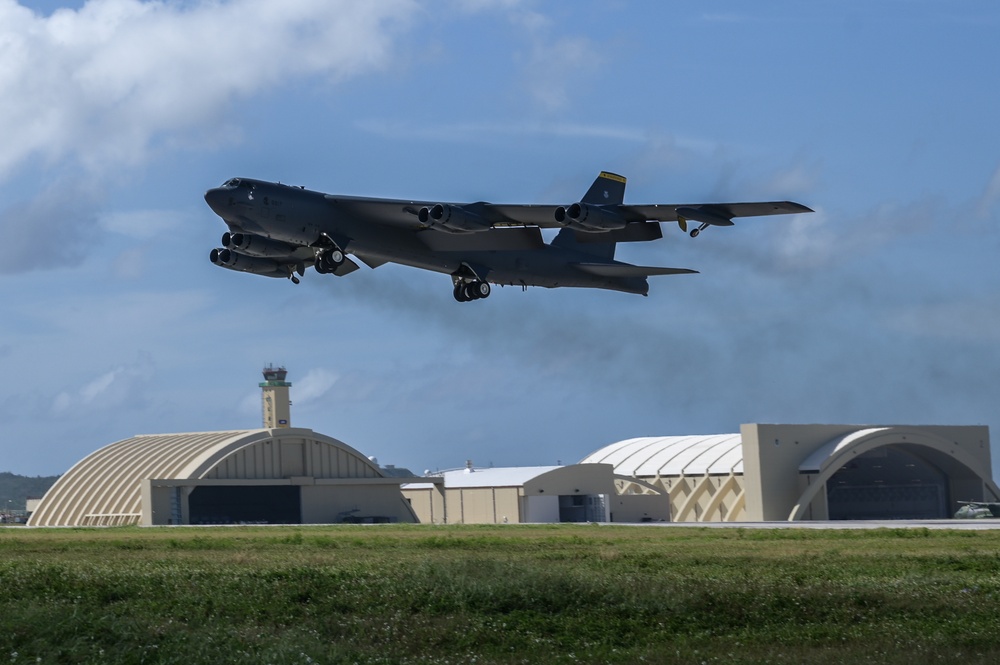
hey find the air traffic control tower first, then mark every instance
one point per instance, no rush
(277, 407)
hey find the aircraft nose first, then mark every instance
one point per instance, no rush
(216, 199)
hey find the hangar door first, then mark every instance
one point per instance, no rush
(268, 504)
(888, 483)
(583, 508)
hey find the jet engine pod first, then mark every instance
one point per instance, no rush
(227, 258)
(253, 245)
(591, 218)
(453, 219)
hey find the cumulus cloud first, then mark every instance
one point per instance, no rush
(104, 83)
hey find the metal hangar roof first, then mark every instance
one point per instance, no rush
(714, 454)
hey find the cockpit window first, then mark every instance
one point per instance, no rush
(237, 183)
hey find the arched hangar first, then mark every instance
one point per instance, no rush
(810, 472)
(277, 476)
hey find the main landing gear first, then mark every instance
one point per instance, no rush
(474, 290)
(329, 260)
(469, 285)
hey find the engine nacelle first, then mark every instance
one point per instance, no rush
(254, 245)
(591, 218)
(453, 219)
(228, 258)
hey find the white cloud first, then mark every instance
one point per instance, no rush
(103, 83)
(557, 69)
(120, 386)
(313, 386)
(817, 241)
(472, 131)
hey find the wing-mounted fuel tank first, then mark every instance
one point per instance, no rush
(452, 218)
(704, 214)
(588, 217)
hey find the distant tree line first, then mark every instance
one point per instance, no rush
(15, 490)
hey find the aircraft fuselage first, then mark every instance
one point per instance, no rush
(308, 219)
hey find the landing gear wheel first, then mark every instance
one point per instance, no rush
(329, 261)
(479, 290)
(695, 232)
(476, 290)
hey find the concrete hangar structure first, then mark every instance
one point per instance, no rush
(276, 474)
(810, 472)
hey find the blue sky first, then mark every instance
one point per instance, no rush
(882, 307)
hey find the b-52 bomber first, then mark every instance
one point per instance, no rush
(279, 230)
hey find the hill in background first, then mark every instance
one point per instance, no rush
(17, 489)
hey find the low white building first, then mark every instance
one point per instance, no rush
(513, 495)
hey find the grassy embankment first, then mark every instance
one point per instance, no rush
(532, 594)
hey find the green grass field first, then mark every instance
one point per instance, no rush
(510, 594)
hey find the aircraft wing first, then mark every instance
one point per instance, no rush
(506, 214)
(402, 212)
(396, 212)
(668, 212)
(405, 213)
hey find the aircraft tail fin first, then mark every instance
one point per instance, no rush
(608, 189)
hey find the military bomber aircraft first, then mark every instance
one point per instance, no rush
(278, 230)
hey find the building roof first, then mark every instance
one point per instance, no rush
(715, 454)
(494, 477)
